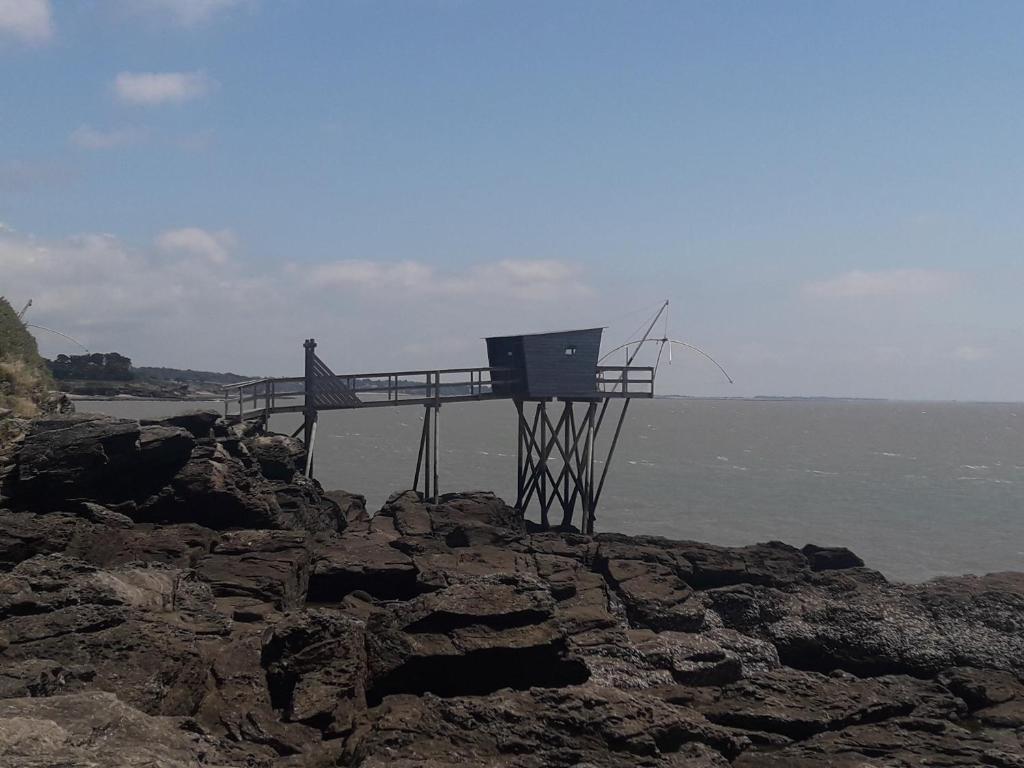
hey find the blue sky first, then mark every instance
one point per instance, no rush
(830, 194)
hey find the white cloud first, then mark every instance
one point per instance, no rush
(971, 354)
(87, 137)
(885, 283)
(187, 12)
(522, 279)
(151, 88)
(215, 247)
(28, 20)
(193, 299)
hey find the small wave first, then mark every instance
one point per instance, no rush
(993, 480)
(739, 468)
(722, 458)
(976, 467)
(822, 472)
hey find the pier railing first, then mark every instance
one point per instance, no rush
(273, 395)
(625, 381)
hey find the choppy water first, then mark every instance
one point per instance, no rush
(917, 489)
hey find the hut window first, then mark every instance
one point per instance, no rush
(570, 351)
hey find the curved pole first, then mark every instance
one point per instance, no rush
(69, 338)
(664, 341)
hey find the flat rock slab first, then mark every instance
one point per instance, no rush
(366, 562)
(94, 729)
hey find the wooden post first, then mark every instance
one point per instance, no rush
(309, 405)
(588, 504)
(543, 464)
(520, 469)
(437, 420)
(426, 456)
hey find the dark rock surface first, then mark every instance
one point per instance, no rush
(176, 594)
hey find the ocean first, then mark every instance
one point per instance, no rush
(918, 490)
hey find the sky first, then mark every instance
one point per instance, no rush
(828, 193)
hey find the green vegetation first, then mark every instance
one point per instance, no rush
(24, 376)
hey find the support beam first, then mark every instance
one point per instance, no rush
(556, 460)
(309, 403)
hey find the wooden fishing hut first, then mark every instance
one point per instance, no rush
(562, 397)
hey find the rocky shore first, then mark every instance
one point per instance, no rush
(175, 593)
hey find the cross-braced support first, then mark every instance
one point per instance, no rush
(556, 459)
(426, 459)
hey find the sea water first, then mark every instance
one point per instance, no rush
(916, 489)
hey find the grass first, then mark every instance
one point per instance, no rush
(24, 377)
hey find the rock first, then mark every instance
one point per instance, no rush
(99, 514)
(798, 704)
(280, 457)
(215, 490)
(352, 507)
(263, 566)
(654, 596)
(693, 659)
(136, 631)
(577, 726)
(199, 423)
(94, 728)
(460, 519)
(831, 558)
(365, 562)
(849, 620)
(316, 670)
(24, 535)
(900, 742)
(79, 457)
(471, 638)
(304, 507)
(238, 707)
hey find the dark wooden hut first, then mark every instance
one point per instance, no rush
(560, 364)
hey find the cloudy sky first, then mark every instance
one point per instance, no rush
(830, 194)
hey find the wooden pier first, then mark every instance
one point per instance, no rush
(557, 457)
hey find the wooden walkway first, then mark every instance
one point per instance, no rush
(556, 457)
(269, 396)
